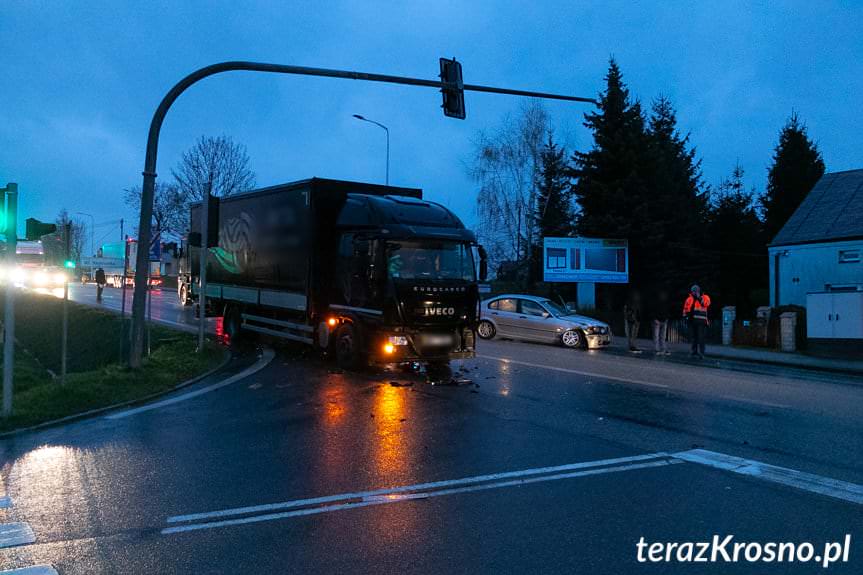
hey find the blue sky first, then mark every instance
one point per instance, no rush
(81, 81)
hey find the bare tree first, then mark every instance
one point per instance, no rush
(506, 164)
(55, 246)
(170, 211)
(215, 163)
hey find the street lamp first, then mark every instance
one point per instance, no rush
(358, 117)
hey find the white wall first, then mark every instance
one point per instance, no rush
(808, 267)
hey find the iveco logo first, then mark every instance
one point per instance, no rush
(439, 311)
(439, 289)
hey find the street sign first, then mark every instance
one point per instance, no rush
(581, 259)
(156, 248)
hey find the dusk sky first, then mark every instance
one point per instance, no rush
(82, 79)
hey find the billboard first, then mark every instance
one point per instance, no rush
(585, 260)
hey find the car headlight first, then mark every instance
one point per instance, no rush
(59, 278)
(595, 329)
(19, 275)
(397, 340)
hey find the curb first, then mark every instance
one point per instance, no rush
(768, 361)
(98, 410)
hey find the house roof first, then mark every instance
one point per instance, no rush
(832, 211)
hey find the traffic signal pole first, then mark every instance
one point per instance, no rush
(64, 352)
(9, 321)
(149, 173)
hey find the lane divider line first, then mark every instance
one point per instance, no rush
(34, 570)
(576, 371)
(388, 492)
(13, 534)
(834, 488)
(382, 500)
(262, 362)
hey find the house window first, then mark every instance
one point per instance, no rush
(849, 256)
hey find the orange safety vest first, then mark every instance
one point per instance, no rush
(695, 310)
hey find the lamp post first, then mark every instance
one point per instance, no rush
(92, 239)
(387, 130)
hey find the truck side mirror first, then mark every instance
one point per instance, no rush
(195, 239)
(483, 263)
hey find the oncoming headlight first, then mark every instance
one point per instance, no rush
(59, 278)
(397, 340)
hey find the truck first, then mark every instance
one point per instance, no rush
(370, 274)
(113, 255)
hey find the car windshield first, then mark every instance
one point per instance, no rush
(430, 259)
(555, 308)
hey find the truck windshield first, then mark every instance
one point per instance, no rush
(430, 259)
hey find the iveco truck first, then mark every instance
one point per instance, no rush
(372, 274)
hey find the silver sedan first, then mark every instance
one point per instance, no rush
(533, 318)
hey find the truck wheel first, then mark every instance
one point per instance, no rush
(232, 324)
(485, 329)
(572, 338)
(348, 349)
(184, 296)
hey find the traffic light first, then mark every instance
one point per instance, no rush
(213, 221)
(453, 98)
(69, 264)
(37, 229)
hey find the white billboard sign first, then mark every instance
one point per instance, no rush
(585, 260)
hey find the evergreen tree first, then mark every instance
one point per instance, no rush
(738, 239)
(797, 165)
(611, 185)
(553, 213)
(678, 205)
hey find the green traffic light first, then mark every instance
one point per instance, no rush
(69, 264)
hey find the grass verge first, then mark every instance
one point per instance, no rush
(39, 396)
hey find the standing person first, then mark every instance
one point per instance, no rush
(695, 310)
(632, 319)
(100, 284)
(660, 312)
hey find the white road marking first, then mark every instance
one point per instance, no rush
(417, 487)
(755, 402)
(5, 502)
(576, 371)
(381, 500)
(262, 362)
(35, 570)
(798, 479)
(12, 534)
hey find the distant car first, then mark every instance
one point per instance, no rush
(534, 318)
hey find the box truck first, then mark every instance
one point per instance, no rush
(370, 273)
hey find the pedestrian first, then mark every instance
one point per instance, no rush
(695, 310)
(100, 284)
(660, 312)
(632, 320)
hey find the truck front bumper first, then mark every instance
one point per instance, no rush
(423, 346)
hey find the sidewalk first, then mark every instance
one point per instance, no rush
(680, 351)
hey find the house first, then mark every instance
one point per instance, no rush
(816, 259)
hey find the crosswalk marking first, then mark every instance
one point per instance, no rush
(12, 534)
(34, 570)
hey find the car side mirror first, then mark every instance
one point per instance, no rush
(483, 263)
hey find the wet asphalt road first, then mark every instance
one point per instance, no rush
(99, 494)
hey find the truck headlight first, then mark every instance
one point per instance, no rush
(59, 278)
(397, 340)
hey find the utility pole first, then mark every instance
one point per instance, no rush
(202, 274)
(67, 230)
(11, 193)
(450, 84)
(123, 292)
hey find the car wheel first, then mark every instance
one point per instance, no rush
(485, 329)
(184, 296)
(348, 349)
(572, 338)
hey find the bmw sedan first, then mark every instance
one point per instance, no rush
(533, 318)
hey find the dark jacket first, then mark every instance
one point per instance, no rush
(100, 276)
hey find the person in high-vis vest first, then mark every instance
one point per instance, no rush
(695, 310)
